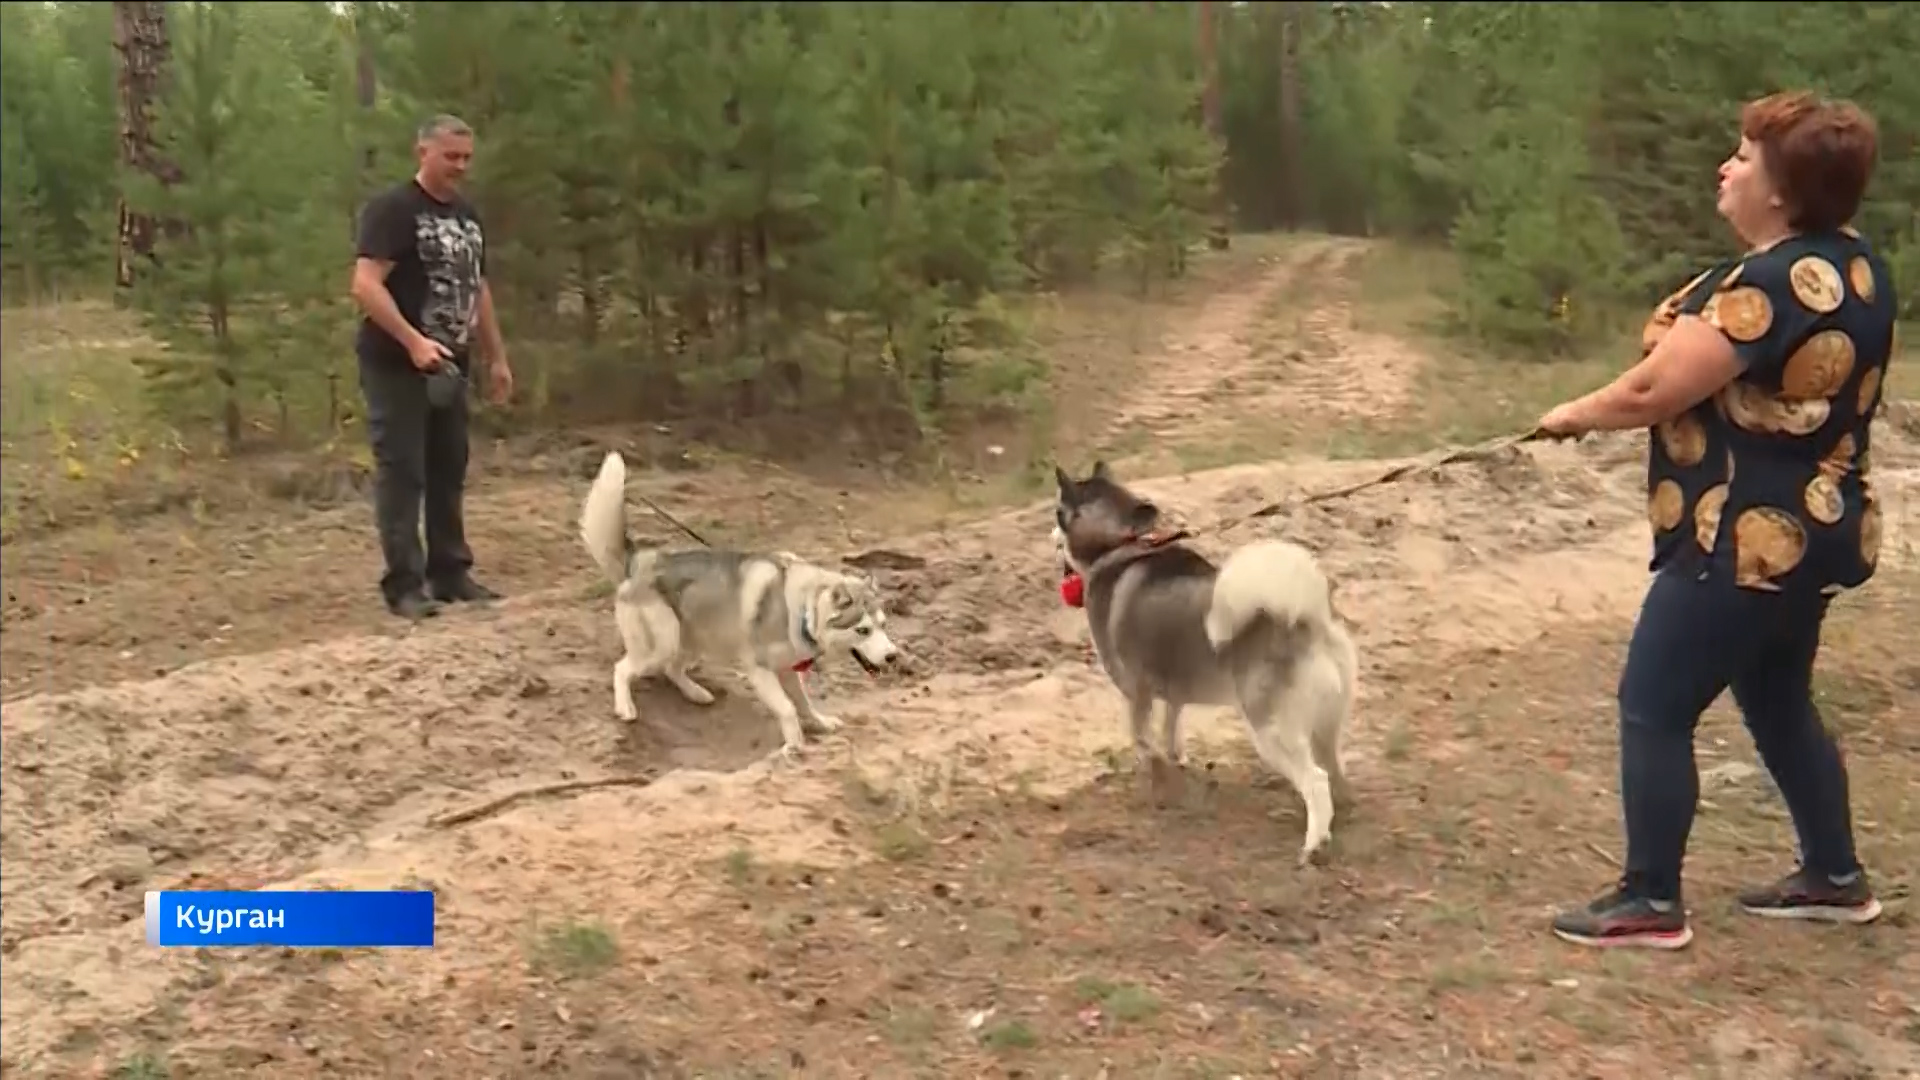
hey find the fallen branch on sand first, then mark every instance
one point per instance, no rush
(542, 791)
(884, 559)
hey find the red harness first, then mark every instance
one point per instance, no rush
(1073, 589)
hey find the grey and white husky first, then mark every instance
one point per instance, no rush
(772, 615)
(1258, 632)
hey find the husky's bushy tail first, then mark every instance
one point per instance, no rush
(603, 519)
(1274, 578)
(1296, 719)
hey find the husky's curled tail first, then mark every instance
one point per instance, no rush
(603, 520)
(1271, 598)
(1273, 578)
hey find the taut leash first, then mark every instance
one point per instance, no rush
(1445, 456)
(1453, 455)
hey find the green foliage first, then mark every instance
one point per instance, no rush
(1537, 247)
(1566, 151)
(57, 147)
(770, 202)
(245, 291)
(763, 206)
(759, 204)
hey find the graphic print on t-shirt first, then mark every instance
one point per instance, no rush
(449, 249)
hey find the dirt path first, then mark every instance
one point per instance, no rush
(1283, 345)
(854, 911)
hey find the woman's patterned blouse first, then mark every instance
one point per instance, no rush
(1767, 481)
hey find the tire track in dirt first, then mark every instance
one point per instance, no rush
(1337, 368)
(1212, 354)
(1286, 346)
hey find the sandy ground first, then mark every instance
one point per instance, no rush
(957, 883)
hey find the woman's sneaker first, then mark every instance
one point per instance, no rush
(1623, 917)
(1804, 894)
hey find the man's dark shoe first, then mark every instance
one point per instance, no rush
(1805, 894)
(415, 606)
(465, 590)
(1625, 918)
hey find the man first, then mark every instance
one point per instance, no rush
(420, 278)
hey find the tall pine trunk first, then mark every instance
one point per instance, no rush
(1292, 139)
(1218, 232)
(143, 48)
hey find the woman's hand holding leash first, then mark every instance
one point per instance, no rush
(1563, 421)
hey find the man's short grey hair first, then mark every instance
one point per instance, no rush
(444, 124)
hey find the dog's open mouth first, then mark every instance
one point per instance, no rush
(871, 668)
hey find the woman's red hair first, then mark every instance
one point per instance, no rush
(1819, 154)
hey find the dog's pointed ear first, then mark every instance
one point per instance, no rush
(1101, 472)
(840, 596)
(1061, 478)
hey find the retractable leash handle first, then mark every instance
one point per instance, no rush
(446, 385)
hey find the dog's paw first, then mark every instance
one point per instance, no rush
(1166, 780)
(788, 754)
(821, 724)
(626, 710)
(696, 693)
(1313, 854)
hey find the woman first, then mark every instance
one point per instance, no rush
(1761, 379)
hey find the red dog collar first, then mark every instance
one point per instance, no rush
(1073, 590)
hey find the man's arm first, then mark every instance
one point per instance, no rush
(491, 343)
(369, 290)
(386, 236)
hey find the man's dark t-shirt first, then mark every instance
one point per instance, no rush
(439, 255)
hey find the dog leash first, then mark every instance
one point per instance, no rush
(662, 514)
(1437, 459)
(1072, 586)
